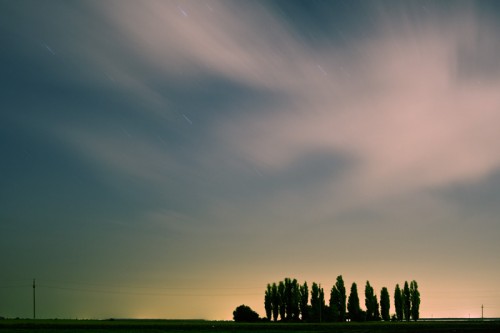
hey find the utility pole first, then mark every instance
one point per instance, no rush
(34, 300)
(482, 308)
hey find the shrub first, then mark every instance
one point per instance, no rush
(244, 313)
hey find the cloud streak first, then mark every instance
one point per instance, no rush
(405, 107)
(407, 104)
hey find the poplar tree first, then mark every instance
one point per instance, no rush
(335, 303)
(385, 304)
(275, 300)
(295, 300)
(288, 298)
(415, 300)
(317, 303)
(304, 300)
(398, 303)
(343, 298)
(353, 303)
(407, 301)
(376, 307)
(281, 293)
(322, 312)
(369, 302)
(268, 302)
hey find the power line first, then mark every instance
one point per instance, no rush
(119, 292)
(70, 284)
(59, 282)
(461, 292)
(103, 288)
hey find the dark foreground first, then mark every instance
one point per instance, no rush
(129, 326)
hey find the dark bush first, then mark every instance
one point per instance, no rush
(245, 314)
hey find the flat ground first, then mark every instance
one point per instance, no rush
(129, 326)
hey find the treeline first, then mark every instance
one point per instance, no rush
(290, 301)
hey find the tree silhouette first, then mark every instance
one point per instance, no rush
(317, 303)
(284, 300)
(407, 301)
(398, 303)
(369, 301)
(355, 313)
(304, 300)
(268, 302)
(275, 300)
(335, 303)
(338, 300)
(343, 298)
(295, 313)
(244, 313)
(385, 304)
(322, 312)
(281, 292)
(289, 301)
(415, 300)
(376, 308)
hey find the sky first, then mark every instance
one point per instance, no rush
(168, 159)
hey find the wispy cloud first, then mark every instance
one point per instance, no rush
(409, 104)
(407, 107)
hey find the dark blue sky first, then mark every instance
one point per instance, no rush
(150, 147)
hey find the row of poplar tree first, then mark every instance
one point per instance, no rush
(289, 301)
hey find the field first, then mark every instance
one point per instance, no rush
(174, 326)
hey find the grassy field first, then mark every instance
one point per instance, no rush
(129, 326)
